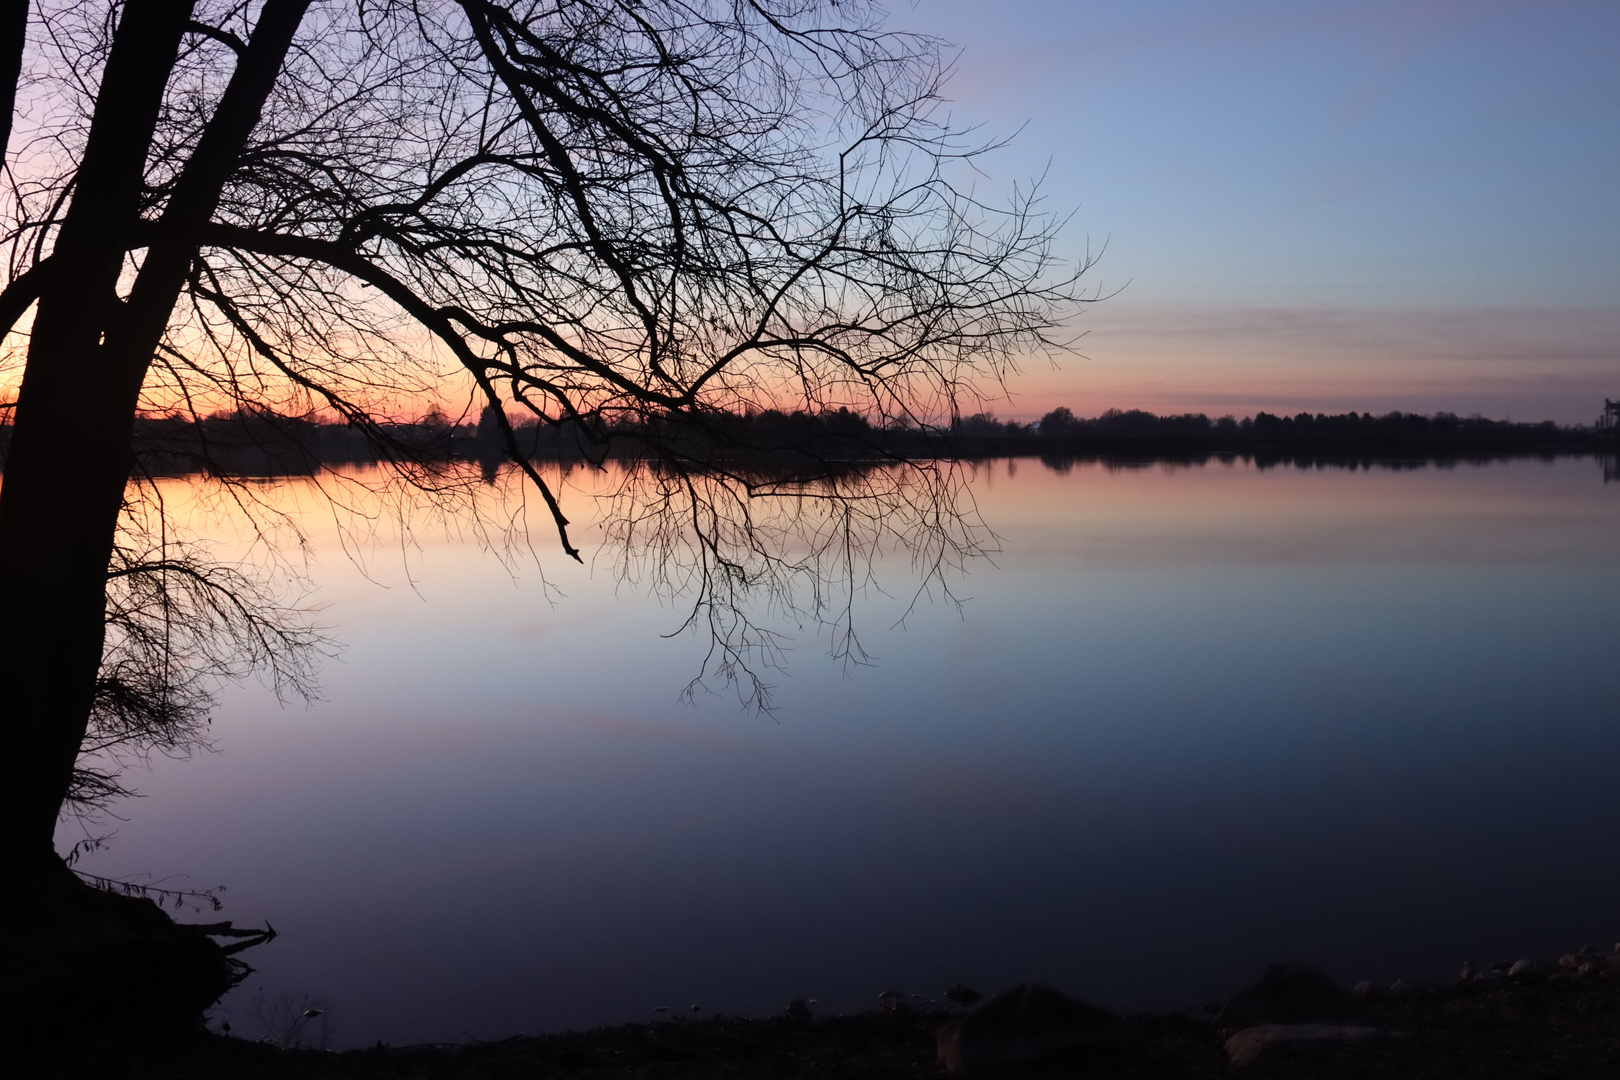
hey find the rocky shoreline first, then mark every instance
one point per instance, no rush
(1527, 1017)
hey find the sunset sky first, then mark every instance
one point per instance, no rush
(1316, 204)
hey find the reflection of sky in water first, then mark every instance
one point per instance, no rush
(1196, 720)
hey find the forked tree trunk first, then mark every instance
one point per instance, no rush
(70, 454)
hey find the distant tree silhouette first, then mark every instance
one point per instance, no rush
(597, 211)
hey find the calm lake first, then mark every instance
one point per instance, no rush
(1192, 720)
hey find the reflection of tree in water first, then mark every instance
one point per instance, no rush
(742, 551)
(746, 555)
(179, 625)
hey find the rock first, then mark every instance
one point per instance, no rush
(798, 1009)
(1289, 994)
(1527, 971)
(963, 994)
(1570, 961)
(1205, 1013)
(1592, 969)
(1409, 988)
(894, 1000)
(1366, 991)
(1468, 972)
(1028, 1022)
(1251, 1043)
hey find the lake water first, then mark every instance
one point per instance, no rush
(1191, 721)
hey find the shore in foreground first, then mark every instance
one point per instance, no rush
(1543, 1020)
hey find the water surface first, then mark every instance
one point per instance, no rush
(1192, 721)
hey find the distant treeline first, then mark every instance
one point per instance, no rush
(269, 444)
(1132, 431)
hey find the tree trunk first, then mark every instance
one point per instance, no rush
(70, 453)
(13, 36)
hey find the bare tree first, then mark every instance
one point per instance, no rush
(628, 218)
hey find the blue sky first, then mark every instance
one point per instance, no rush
(1330, 205)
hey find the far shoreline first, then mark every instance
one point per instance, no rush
(806, 446)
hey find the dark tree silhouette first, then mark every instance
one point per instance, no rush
(591, 211)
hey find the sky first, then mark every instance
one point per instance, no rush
(1326, 206)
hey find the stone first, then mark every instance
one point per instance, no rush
(1366, 991)
(798, 1009)
(1251, 1043)
(1290, 994)
(1029, 1022)
(1527, 971)
(963, 994)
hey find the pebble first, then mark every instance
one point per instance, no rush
(1251, 1043)
(1029, 1021)
(1527, 971)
